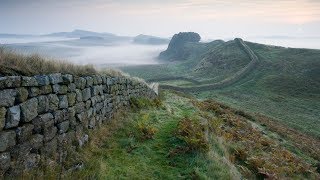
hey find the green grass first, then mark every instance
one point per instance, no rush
(125, 154)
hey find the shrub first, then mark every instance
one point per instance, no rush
(146, 130)
(192, 133)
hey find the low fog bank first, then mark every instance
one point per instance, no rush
(83, 52)
(121, 54)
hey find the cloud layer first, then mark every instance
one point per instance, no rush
(222, 18)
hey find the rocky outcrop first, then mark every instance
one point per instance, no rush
(41, 116)
(176, 49)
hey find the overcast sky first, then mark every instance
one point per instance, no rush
(210, 18)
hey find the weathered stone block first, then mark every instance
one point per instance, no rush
(45, 89)
(80, 82)
(60, 89)
(7, 139)
(89, 81)
(83, 140)
(53, 102)
(36, 141)
(30, 161)
(63, 102)
(95, 80)
(33, 92)
(43, 104)
(29, 110)
(24, 132)
(43, 121)
(49, 133)
(72, 87)
(5, 160)
(10, 82)
(71, 98)
(79, 107)
(88, 104)
(22, 95)
(79, 95)
(55, 78)
(29, 81)
(63, 127)
(42, 80)
(104, 79)
(67, 78)
(99, 79)
(3, 112)
(86, 94)
(109, 81)
(7, 97)
(60, 116)
(13, 117)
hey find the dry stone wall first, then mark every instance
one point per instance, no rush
(42, 115)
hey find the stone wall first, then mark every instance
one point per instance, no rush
(42, 115)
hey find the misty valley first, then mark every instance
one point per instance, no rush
(88, 105)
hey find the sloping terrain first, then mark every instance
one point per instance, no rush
(179, 137)
(283, 85)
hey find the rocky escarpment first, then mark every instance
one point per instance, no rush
(42, 116)
(176, 49)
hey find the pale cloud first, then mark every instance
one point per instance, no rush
(162, 17)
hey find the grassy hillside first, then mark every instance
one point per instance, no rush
(179, 137)
(284, 85)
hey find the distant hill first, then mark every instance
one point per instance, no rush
(91, 38)
(80, 33)
(15, 35)
(150, 40)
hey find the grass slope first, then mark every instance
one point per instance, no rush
(183, 138)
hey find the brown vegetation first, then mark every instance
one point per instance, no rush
(250, 149)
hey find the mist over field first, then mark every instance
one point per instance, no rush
(86, 52)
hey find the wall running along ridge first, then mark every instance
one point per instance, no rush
(228, 81)
(43, 115)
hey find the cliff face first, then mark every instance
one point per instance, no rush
(43, 115)
(176, 49)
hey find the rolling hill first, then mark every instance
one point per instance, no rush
(283, 84)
